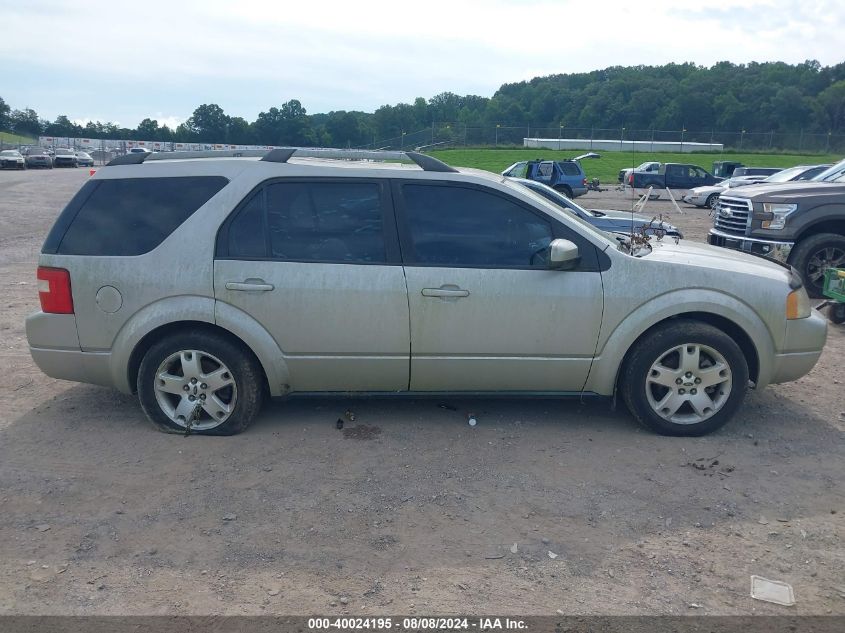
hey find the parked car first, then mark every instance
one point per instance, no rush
(12, 159)
(38, 157)
(566, 176)
(709, 196)
(800, 223)
(649, 167)
(65, 158)
(673, 176)
(407, 281)
(607, 220)
(84, 159)
(139, 150)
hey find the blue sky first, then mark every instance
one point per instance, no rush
(122, 62)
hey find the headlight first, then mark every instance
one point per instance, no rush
(797, 304)
(777, 213)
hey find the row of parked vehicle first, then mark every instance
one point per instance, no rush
(794, 215)
(43, 157)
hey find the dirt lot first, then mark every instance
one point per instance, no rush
(408, 509)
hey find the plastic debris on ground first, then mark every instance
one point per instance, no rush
(772, 591)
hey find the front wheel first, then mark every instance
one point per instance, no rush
(713, 201)
(685, 378)
(814, 255)
(201, 383)
(836, 313)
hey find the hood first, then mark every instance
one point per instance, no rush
(788, 191)
(611, 214)
(707, 189)
(725, 260)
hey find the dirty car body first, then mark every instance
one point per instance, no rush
(319, 276)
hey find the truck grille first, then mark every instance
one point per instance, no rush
(733, 215)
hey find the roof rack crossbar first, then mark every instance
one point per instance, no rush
(283, 154)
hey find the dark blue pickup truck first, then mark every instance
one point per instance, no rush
(672, 176)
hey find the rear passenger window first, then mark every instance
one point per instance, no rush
(128, 216)
(310, 222)
(570, 169)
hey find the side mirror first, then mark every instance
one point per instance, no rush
(563, 254)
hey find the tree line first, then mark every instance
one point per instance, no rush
(754, 97)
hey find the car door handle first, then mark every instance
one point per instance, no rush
(444, 292)
(250, 285)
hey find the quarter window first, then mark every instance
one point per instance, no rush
(459, 226)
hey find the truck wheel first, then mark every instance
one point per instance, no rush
(814, 255)
(565, 190)
(712, 201)
(201, 377)
(685, 378)
(836, 313)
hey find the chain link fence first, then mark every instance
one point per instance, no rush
(451, 134)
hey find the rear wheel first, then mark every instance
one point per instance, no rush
(202, 381)
(836, 313)
(685, 378)
(814, 255)
(565, 190)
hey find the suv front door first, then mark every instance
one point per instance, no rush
(486, 312)
(316, 262)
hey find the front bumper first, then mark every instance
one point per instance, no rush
(802, 347)
(777, 250)
(698, 201)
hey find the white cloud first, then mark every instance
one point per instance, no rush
(250, 55)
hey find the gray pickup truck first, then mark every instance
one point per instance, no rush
(799, 223)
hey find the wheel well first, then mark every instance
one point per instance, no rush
(727, 326)
(828, 226)
(563, 188)
(166, 330)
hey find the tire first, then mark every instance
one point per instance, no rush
(712, 201)
(565, 190)
(700, 411)
(836, 313)
(212, 359)
(813, 255)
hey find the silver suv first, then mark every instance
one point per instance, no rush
(207, 284)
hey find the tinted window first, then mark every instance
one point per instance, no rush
(570, 169)
(309, 221)
(544, 170)
(128, 216)
(324, 221)
(247, 233)
(456, 226)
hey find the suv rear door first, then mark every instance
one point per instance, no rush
(316, 262)
(486, 313)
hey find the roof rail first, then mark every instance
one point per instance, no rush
(282, 154)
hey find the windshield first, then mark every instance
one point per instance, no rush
(832, 174)
(9, 152)
(786, 175)
(64, 152)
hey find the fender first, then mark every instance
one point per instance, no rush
(608, 360)
(203, 309)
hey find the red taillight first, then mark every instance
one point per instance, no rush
(54, 290)
(631, 179)
(584, 182)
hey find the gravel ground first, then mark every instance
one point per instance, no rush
(544, 506)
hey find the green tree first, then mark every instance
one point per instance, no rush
(25, 122)
(5, 121)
